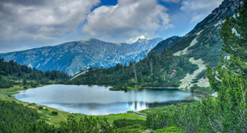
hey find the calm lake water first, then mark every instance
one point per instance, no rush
(98, 100)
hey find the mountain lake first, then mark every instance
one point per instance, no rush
(99, 100)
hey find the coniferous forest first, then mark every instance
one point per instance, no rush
(226, 113)
(12, 73)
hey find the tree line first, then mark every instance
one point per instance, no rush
(11, 73)
(153, 71)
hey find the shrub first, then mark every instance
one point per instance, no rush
(54, 112)
(119, 123)
(40, 107)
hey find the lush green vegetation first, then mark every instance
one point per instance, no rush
(12, 74)
(87, 125)
(226, 113)
(119, 123)
(208, 47)
(18, 118)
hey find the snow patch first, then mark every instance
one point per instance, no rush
(79, 74)
(186, 81)
(203, 82)
(47, 61)
(218, 23)
(214, 94)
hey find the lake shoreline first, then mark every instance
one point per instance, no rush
(161, 88)
(62, 115)
(90, 100)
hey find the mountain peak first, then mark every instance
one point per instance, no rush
(92, 39)
(89, 40)
(142, 40)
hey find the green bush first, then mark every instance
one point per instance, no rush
(54, 112)
(119, 123)
(17, 118)
(136, 128)
(40, 107)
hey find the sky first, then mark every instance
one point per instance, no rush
(26, 24)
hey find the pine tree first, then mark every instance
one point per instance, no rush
(24, 82)
(229, 79)
(234, 35)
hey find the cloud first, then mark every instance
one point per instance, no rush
(41, 20)
(174, 1)
(128, 19)
(199, 8)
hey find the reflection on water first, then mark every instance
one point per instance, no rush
(98, 100)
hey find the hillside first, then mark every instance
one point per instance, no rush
(183, 65)
(71, 57)
(165, 44)
(12, 74)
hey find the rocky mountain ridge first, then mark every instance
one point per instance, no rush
(227, 7)
(169, 42)
(71, 57)
(204, 50)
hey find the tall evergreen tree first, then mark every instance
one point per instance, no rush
(230, 77)
(234, 35)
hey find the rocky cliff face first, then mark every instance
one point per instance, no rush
(205, 48)
(72, 57)
(227, 7)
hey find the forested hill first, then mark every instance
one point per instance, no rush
(12, 73)
(182, 65)
(167, 43)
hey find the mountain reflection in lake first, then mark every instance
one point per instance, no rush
(98, 100)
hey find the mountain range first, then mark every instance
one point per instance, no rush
(71, 57)
(183, 64)
(186, 58)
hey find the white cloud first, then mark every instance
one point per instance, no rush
(41, 19)
(199, 8)
(174, 1)
(127, 20)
